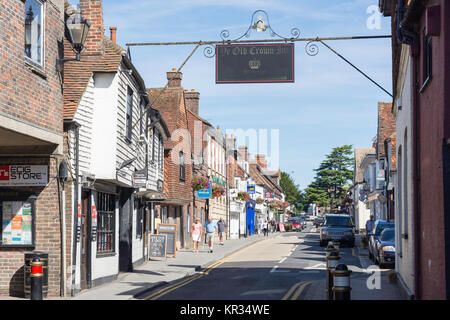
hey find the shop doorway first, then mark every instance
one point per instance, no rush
(125, 229)
(85, 262)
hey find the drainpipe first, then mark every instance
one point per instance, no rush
(76, 128)
(416, 171)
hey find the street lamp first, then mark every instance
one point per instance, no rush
(78, 29)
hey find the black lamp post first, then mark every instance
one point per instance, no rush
(78, 29)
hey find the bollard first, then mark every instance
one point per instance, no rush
(332, 262)
(36, 279)
(330, 248)
(341, 283)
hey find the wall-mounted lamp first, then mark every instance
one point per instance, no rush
(78, 29)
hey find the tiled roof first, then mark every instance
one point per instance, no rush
(360, 153)
(78, 73)
(386, 126)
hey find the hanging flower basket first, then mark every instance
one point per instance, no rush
(217, 191)
(273, 204)
(199, 183)
(259, 200)
(244, 196)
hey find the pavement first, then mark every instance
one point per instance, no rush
(157, 273)
(368, 281)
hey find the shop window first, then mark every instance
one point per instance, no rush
(106, 215)
(182, 166)
(34, 31)
(139, 219)
(129, 115)
(17, 216)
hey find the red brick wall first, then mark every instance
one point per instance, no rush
(431, 135)
(25, 95)
(92, 11)
(47, 234)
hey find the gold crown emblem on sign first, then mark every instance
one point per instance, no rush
(254, 64)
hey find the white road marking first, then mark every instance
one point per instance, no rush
(274, 269)
(320, 266)
(282, 260)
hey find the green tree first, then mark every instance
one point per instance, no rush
(332, 177)
(291, 190)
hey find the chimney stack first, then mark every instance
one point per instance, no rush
(192, 101)
(243, 153)
(174, 78)
(113, 31)
(92, 11)
(261, 160)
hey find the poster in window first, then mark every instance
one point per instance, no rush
(16, 223)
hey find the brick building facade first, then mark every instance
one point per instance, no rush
(31, 139)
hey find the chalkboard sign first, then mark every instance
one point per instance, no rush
(170, 230)
(158, 245)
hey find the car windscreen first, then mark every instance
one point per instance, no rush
(293, 221)
(388, 235)
(382, 226)
(338, 222)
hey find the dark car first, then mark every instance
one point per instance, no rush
(303, 221)
(378, 227)
(318, 221)
(384, 253)
(338, 227)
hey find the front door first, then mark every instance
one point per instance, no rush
(125, 225)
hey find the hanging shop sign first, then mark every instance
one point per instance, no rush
(268, 195)
(24, 175)
(140, 178)
(204, 193)
(259, 63)
(251, 189)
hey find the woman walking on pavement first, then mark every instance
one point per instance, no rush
(196, 231)
(265, 227)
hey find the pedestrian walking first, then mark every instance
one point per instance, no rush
(369, 227)
(222, 229)
(210, 229)
(196, 232)
(265, 227)
(274, 225)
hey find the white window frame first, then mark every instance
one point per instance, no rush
(28, 59)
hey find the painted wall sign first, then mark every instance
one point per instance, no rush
(259, 63)
(24, 175)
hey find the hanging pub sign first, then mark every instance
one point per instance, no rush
(259, 63)
(140, 178)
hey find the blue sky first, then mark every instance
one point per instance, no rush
(330, 104)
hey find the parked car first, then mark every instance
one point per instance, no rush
(296, 223)
(318, 221)
(338, 227)
(378, 227)
(384, 253)
(303, 221)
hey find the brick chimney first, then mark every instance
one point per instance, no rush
(92, 11)
(113, 31)
(192, 100)
(243, 153)
(261, 160)
(174, 78)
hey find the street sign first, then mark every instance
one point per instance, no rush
(259, 63)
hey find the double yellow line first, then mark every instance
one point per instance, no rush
(158, 294)
(296, 290)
